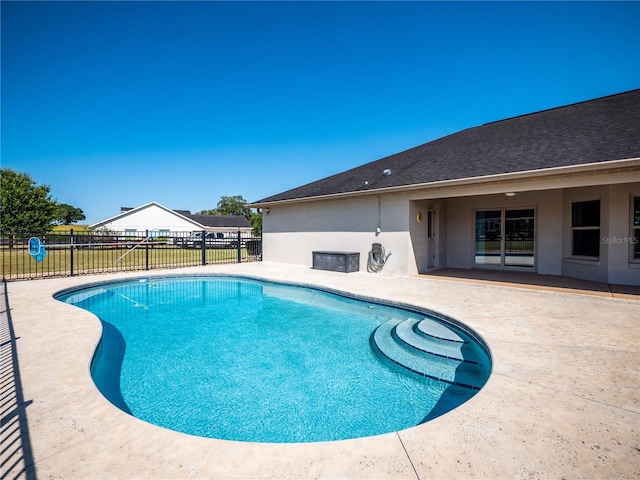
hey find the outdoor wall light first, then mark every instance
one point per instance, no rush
(267, 210)
(510, 194)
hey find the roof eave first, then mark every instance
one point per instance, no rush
(501, 177)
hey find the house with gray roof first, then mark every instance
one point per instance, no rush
(157, 218)
(555, 192)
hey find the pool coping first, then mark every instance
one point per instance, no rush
(563, 398)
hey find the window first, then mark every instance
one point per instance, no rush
(635, 230)
(505, 237)
(585, 225)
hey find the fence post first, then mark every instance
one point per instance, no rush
(204, 247)
(146, 249)
(71, 250)
(239, 248)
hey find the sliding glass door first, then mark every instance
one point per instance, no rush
(518, 238)
(505, 237)
(488, 237)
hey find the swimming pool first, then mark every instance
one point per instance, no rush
(239, 359)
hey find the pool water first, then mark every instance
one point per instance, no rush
(244, 360)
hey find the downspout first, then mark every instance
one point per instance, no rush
(379, 228)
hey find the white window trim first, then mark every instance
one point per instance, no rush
(503, 266)
(584, 259)
(634, 232)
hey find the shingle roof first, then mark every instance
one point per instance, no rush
(183, 212)
(230, 221)
(598, 130)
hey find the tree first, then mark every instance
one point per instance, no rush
(67, 214)
(235, 205)
(256, 222)
(24, 205)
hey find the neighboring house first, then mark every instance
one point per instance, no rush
(163, 221)
(554, 192)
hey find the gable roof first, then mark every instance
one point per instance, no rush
(127, 211)
(599, 130)
(198, 221)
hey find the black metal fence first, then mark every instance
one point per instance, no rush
(29, 255)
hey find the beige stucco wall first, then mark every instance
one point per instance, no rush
(621, 266)
(418, 235)
(460, 232)
(426, 254)
(615, 264)
(293, 231)
(549, 221)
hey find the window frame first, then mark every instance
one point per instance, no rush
(634, 230)
(130, 233)
(586, 228)
(505, 263)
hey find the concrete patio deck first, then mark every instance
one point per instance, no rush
(563, 400)
(530, 280)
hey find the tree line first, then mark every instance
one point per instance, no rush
(27, 206)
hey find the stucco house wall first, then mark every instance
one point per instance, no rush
(149, 219)
(615, 264)
(621, 235)
(296, 230)
(543, 161)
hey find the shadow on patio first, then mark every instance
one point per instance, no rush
(16, 457)
(536, 281)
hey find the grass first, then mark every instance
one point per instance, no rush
(494, 246)
(17, 263)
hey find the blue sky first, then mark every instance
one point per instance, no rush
(122, 103)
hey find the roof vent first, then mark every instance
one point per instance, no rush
(386, 172)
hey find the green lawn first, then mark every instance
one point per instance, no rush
(17, 263)
(493, 246)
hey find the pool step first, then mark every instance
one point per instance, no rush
(445, 357)
(410, 333)
(435, 329)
